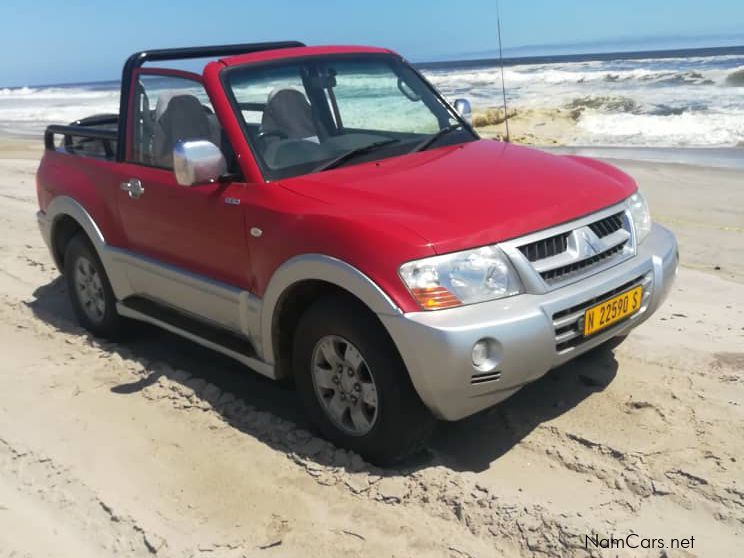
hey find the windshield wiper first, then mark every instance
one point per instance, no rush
(333, 163)
(435, 136)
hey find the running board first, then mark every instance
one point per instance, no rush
(211, 337)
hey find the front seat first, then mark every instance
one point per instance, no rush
(184, 118)
(288, 114)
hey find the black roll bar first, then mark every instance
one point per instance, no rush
(137, 59)
(103, 134)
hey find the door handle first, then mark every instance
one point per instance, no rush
(134, 187)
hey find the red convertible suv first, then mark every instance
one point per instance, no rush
(324, 214)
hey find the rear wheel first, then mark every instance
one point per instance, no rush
(354, 384)
(89, 289)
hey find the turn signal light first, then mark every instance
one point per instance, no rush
(432, 298)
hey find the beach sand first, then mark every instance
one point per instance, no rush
(529, 126)
(156, 446)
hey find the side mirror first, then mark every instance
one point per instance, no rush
(463, 107)
(197, 162)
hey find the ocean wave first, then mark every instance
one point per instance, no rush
(59, 112)
(55, 93)
(620, 104)
(656, 101)
(666, 110)
(604, 103)
(681, 78)
(684, 129)
(736, 78)
(16, 91)
(660, 101)
(518, 77)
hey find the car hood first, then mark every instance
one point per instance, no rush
(469, 195)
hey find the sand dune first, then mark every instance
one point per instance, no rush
(156, 446)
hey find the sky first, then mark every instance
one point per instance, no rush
(50, 42)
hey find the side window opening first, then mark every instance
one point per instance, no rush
(168, 109)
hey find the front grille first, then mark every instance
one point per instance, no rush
(545, 247)
(571, 251)
(608, 225)
(561, 273)
(566, 323)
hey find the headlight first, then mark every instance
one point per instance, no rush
(461, 278)
(641, 215)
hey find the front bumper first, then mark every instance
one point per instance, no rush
(437, 346)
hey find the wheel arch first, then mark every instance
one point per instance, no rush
(64, 228)
(298, 283)
(67, 217)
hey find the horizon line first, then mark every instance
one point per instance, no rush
(516, 60)
(588, 56)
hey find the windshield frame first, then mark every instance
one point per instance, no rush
(270, 174)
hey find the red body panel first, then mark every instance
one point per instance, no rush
(374, 216)
(86, 180)
(469, 195)
(293, 224)
(191, 228)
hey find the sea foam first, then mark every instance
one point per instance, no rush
(657, 102)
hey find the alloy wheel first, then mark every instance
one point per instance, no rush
(344, 385)
(89, 289)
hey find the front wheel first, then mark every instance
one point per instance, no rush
(354, 384)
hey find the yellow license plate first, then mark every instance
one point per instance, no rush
(612, 311)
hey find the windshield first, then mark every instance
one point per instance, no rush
(317, 113)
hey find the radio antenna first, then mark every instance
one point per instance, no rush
(501, 63)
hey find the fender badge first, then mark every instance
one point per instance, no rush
(256, 232)
(232, 201)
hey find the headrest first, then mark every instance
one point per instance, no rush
(288, 111)
(163, 99)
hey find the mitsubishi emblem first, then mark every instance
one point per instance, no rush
(590, 244)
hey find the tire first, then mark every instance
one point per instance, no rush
(89, 289)
(398, 424)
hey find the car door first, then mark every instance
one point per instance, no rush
(186, 246)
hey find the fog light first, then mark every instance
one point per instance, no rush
(485, 355)
(480, 353)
